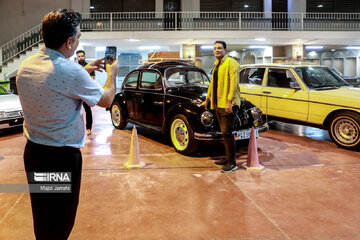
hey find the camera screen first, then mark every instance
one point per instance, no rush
(110, 54)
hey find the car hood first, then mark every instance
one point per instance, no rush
(9, 102)
(191, 92)
(343, 96)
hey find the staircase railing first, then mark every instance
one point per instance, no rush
(20, 44)
(162, 21)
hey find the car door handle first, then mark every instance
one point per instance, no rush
(266, 92)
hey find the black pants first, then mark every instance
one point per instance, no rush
(53, 213)
(89, 120)
(226, 122)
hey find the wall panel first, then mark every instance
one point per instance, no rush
(350, 67)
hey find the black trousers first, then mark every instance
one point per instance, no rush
(53, 213)
(226, 122)
(89, 119)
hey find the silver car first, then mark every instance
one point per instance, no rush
(11, 114)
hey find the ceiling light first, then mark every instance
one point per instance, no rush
(246, 6)
(353, 47)
(333, 50)
(149, 47)
(314, 47)
(92, 7)
(134, 40)
(207, 47)
(320, 6)
(258, 46)
(260, 39)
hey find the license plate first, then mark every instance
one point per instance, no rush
(244, 134)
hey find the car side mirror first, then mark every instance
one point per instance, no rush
(295, 85)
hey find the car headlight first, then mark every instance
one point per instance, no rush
(3, 115)
(207, 118)
(255, 113)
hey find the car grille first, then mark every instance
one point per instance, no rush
(14, 114)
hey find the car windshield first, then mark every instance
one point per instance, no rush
(320, 77)
(3, 90)
(181, 76)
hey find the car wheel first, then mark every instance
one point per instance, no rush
(117, 117)
(344, 130)
(182, 135)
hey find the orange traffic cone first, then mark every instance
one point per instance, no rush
(252, 163)
(134, 157)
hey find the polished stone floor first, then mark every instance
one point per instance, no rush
(309, 189)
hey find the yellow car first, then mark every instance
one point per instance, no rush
(310, 95)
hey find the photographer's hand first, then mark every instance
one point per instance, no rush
(110, 85)
(96, 65)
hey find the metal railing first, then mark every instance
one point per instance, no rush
(150, 21)
(20, 44)
(162, 21)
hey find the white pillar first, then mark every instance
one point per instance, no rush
(267, 5)
(82, 6)
(296, 5)
(357, 66)
(159, 5)
(190, 5)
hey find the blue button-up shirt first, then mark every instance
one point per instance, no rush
(51, 90)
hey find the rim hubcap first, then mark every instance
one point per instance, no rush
(180, 134)
(116, 115)
(346, 131)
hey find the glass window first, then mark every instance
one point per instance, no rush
(320, 77)
(150, 80)
(280, 78)
(179, 76)
(3, 90)
(252, 76)
(196, 77)
(131, 81)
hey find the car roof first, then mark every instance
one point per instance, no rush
(284, 64)
(162, 66)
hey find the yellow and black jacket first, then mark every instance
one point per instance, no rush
(228, 83)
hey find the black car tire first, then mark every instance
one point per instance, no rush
(344, 130)
(182, 135)
(117, 117)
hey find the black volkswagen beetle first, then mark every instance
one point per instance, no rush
(166, 98)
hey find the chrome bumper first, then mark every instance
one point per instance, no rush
(9, 123)
(208, 136)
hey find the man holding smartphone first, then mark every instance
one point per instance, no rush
(52, 89)
(80, 54)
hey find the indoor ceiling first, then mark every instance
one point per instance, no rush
(236, 40)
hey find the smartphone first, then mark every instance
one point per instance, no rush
(110, 54)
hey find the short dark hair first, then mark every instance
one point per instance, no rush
(58, 26)
(80, 51)
(221, 42)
